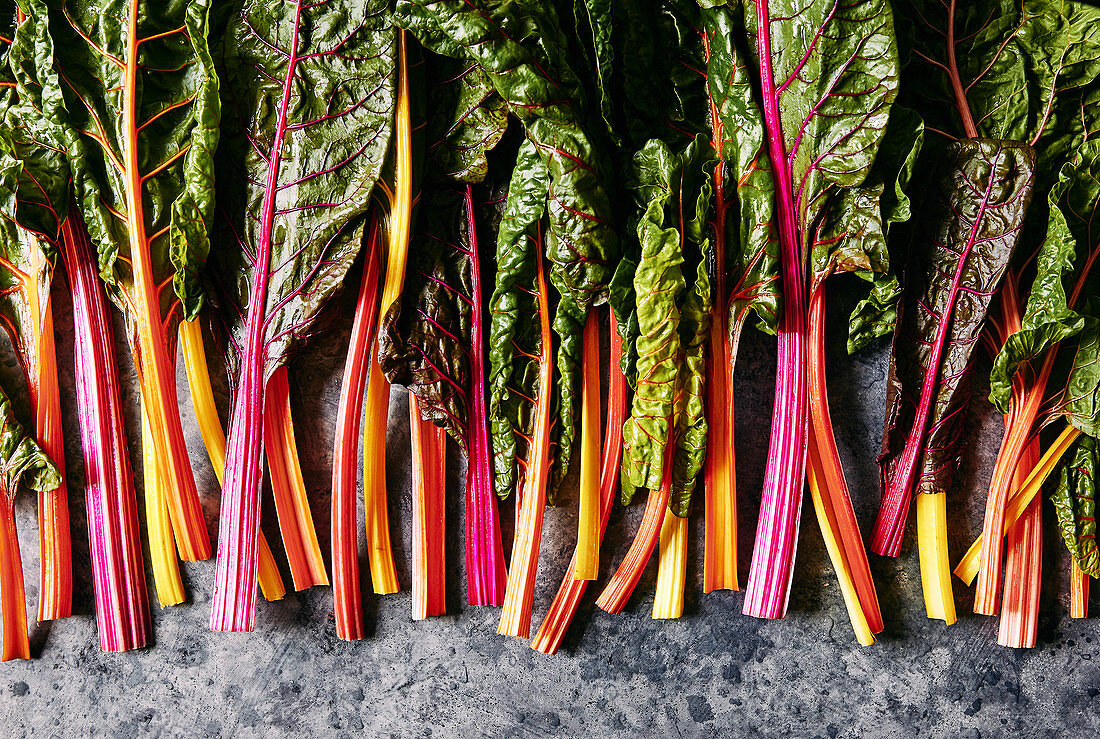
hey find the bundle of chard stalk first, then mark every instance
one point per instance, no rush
(507, 187)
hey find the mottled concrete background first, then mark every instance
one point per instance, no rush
(712, 671)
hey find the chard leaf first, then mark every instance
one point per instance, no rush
(469, 119)
(515, 341)
(975, 215)
(303, 147)
(21, 459)
(142, 72)
(1067, 258)
(691, 421)
(1082, 398)
(312, 93)
(28, 125)
(675, 191)
(522, 48)
(1075, 505)
(1016, 60)
(752, 245)
(853, 234)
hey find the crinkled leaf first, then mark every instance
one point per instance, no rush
(982, 195)
(1082, 398)
(468, 119)
(1075, 505)
(1016, 59)
(320, 165)
(21, 459)
(163, 95)
(675, 190)
(515, 340)
(691, 421)
(1068, 254)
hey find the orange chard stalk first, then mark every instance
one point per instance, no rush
(347, 598)
(564, 606)
(968, 566)
(288, 487)
(383, 571)
(1027, 397)
(1078, 591)
(619, 589)
(519, 593)
(429, 459)
(588, 517)
(55, 598)
(839, 521)
(213, 438)
(150, 340)
(720, 470)
(1023, 565)
(12, 595)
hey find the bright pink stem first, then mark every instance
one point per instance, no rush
(235, 574)
(486, 575)
(118, 573)
(773, 553)
(894, 510)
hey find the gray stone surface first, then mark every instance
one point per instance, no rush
(714, 671)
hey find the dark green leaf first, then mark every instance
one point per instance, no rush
(982, 195)
(1075, 505)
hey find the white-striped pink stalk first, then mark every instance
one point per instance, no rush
(486, 575)
(118, 572)
(773, 553)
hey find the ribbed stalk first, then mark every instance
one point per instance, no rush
(347, 598)
(519, 594)
(288, 487)
(158, 523)
(564, 606)
(213, 438)
(671, 568)
(429, 459)
(486, 575)
(118, 575)
(773, 555)
(1023, 566)
(383, 571)
(55, 592)
(588, 516)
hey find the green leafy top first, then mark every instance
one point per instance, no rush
(294, 190)
(141, 122)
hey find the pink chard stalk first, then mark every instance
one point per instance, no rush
(486, 575)
(118, 572)
(299, 218)
(822, 125)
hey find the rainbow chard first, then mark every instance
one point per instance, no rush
(26, 272)
(43, 208)
(1020, 73)
(523, 49)
(746, 265)
(521, 363)
(664, 440)
(141, 115)
(972, 227)
(827, 75)
(433, 339)
(305, 138)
